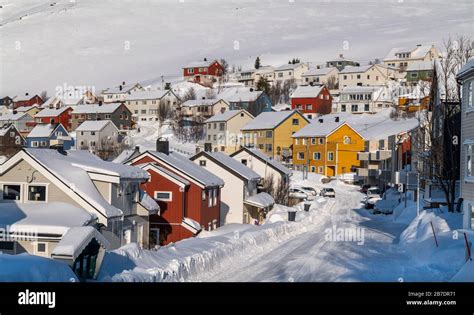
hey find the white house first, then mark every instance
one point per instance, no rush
(97, 135)
(363, 99)
(263, 165)
(402, 57)
(240, 202)
(120, 93)
(367, 75)
(144, 104)
(319, 76)
(291, 72)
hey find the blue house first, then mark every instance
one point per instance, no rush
(49, 136)
(255, 102)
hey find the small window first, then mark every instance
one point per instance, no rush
(321, 140)
(36, 193)
(164, 195)
(269, 134)
(313, 141)
(300, 155)
(347, 140)
(40, 248)
(316, 156)
(7, 246)
(313, 169)
(295, 121)
(244, 161)
(331, 156)
(202, 163)
(470, 160)
(11, 192)
(203, 195)
(320, 169)
(209, 198)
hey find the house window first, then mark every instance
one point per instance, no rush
(469, 95)
(268, 147)
(209, 198)
(164, 195)
(358, 76)
(108, 116)
(354, 107)
(34, 144)
(366, 107)
(203, 195)
(313, 141)
(295, 121)
(11, 192)
(41, 248)
(330, 156)
(214, 197)
(209, 137)
(320, 169)
(345, 77)
(7, 246)
(343, 108)
(37, 193)
(297, 141)
(313, 169)
(321, 140)
(470, 161)
(300, 155)
(202, 163)
(303, 141)
(269, 134)
(347, 140)
(191, 70)
(92, 133)
(317, 156)
(222, 126)
(309, 107)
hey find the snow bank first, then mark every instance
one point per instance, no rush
(404, 215)
(466, 274)
(29, 268)
(445, 254)
(192, 257)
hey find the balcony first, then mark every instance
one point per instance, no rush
(363, 156)
(378, 155)
(367, 172)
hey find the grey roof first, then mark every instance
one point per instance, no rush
(42, 131)
(360, 89)
(225, 116)
(226, 161)
(14, 117)
(288, 67)
(107, 108)
(23, 109)
(266, 159)
(239, 94)
(94, 125)
(186, 166)
(467, 69)
(148, 95)
(167, 172)
(205, 102)
(116, 89)
(415, 52)
(199, 64)
(420, 65)
(262, 200)
(353, 69)
(268, 120)
(307, 91)
(52, 112)
(318, 129)
(316, 72)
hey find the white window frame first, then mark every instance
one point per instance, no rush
(329, 154)
(12, 184)
(34, 144)
(320, 170)
(298, 156)
(27, 190)
(46, 248)
(156, 192)
(314, 156)
(214, 197)
(209, 197)
(467, 177)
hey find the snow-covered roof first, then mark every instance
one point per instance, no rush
(44, 218)
(199, 64)
(268, 120)
(225, 116)
(289, 67)
(467, 69)
(354, 69)
(420, 66)
(75, 241)
(94, 125)
(23, 109)
(266, 159)
(360, 89)
(158, 168)
(318, 129)
(52, 101)
(147, 95)
(107, 108)
(260, 200)
(321, 71)
(14, 117)
(205, 102)
(148, 203)
(415, 52)
(42, 131)
(5, 129)
(191, 225)
(186, 166)
(126, 155)
(307, 91)
(117, 90)
(226, 161)
(72, 168)
(52, 112)
(239, 94)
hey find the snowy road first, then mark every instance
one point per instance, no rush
(310, 257)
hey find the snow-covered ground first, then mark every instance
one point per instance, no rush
(101, 43)
(335, 241)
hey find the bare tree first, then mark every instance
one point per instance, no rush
(211, 94)
(164, 112)
(189, 95)
(332, 83)
(279, 190)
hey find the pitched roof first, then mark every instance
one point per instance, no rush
(23, 109)
(360, 89)
(202, 102)
(227, 115)
(289, 67)
(321, 71)
(227, 162)
(415, 52)
(200, 64)
(264, 158)
(7, 128)
(107, 108)
(239, 94)
(353, 69)
(318, 129)
(420, 65)
(166, 171)
(467, 69)
(42, 130)
(116, 89)
(307, 91)
(44, 218)
(52, 112)
(13, 117)
(269, 120)
(148, 95)
(75, 241)
(186, 166)
(94, 125)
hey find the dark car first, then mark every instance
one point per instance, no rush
(364, 188)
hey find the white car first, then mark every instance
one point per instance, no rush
(328, 192)
(298, 193)
(310, 191)
(373, 195)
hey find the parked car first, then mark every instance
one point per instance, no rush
(327, 192)
(298, 193)
(372, 196)
(364, 188)
(309, 190)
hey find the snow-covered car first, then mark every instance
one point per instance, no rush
(370, 202)
(385, 206)
(374, 192)
(308, 190)
(328, 192)
(298, 193)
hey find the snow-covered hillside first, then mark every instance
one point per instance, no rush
(44, 43)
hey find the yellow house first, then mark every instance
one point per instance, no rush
(328, 147)
(271, 132)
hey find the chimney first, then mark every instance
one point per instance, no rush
(123, 83)
(321, 120)
(120, 88)
(251, 89)
(205, 59)
(163, 146)
(26, 94)
(418, 45)
(336, 119)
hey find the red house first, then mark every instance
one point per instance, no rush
(61, 115)
(189, 196)
(27, 101)
(312, 100)
(203, 71)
